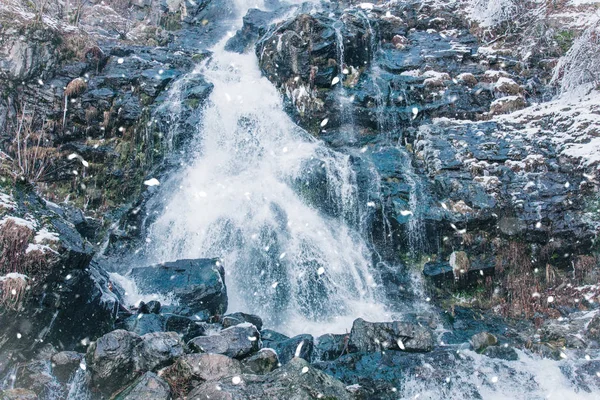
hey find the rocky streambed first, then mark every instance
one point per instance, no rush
(334, 200)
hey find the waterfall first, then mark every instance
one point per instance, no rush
(246, 198)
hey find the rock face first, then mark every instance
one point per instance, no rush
(198, 285)
(69, 298)
(377, 336)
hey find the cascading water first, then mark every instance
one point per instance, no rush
(245, 198)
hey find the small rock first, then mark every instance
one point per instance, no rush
(65, 363)
(193, 369)
(501, 352)
(158, 349)
(237, 342)
(148, 386)
(261, 363)
(482, 340)
(396, 335)
(239, 317)
(592, 331)
(287, 349)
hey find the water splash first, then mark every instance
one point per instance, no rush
(285, 259)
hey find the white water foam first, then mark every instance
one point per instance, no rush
(239, 200)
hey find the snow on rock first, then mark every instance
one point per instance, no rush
(19, 221)
(6, 202)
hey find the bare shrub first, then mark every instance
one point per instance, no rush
(581, 65)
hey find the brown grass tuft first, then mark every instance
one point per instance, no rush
(75, 87)
(13, 292)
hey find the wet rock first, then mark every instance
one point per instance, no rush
(191, 370)
(483, 340)
(592, 330)
(377, 336)
(186, 327)
(288, 348)
(35, 375)
(152, 307)
(111, 361)
(237, 341)
(142, 324)
(65, 363)
(261, 363)
(296, 380)
(507, 105)
(501, 352)
(438, 271)
(158, 349)
(19, 394)
(148, 386)
(329, 346)
(198, 285)
(69, 298)
(239, 317)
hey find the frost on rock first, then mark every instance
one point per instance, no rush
(581, 65)
(489, 13)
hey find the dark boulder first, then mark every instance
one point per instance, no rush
(142, 324)
(198, 285)
(111, 361)
(329, 347)
(239, 317)
(186, 327)
(379, 336)
(192, 370)
(288, 348)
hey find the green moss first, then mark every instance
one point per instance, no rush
(564, 39)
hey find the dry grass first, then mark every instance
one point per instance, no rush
(14, 258)
(13, 292)
(75, 87)
(178, 377)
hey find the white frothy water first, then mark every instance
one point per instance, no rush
(243, 199)
(478, 376)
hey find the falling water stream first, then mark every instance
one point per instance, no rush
(243, 199)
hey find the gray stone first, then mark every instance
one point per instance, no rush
(480, 341)
(261, 363)
(111, 360)
(65, 363)
(158, 349)
(237, 342)
(396, 335)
